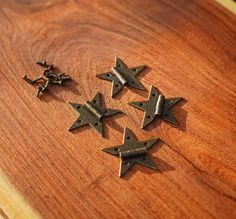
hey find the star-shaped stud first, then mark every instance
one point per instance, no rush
(132, 151)
(120, 75)
(91, 113)
(156, 106)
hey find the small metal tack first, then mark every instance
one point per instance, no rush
(48, 77)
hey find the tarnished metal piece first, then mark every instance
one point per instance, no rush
(156, 106)
(48, 77)
(159, 105)
(93, 110)
(91, 113)
(120, 75)
(132, 151)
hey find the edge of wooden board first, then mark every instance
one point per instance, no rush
(12, 203)
(229, 4)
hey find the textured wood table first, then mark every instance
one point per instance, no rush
(49, 172)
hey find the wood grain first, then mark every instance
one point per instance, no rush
(189, 46)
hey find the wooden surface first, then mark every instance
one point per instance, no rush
(189, 46)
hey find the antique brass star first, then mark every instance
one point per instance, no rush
(156, 106)
(132, 151)
(91, 113)
(121, 75)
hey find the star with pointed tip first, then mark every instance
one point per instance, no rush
(91, 113)
(149, 107)
(132, 151)
(120, 75)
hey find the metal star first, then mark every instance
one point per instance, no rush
(120, 75)
(132, 151)
(91, 113)
(156, 106)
